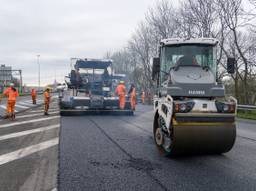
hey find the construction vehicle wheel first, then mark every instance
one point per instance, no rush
(162, 139)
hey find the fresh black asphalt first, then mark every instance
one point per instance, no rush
(118, 153)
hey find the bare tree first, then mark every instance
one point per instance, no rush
(162, 20)
(198, 18)
(223, 19)
(234, 17)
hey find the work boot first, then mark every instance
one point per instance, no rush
(12, 116)
(46, 113)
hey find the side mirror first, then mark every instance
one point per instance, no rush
(231, 65)
(156, 68)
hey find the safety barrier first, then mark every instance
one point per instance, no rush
(246, 107)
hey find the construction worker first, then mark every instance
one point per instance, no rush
(132, 93)
(11, 93)
(33, 95)
(143, 97)
(46, 100)
(121, 92)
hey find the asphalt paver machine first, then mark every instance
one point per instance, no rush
(90, 90)
(191, 112)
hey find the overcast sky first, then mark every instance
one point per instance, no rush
(60, 29)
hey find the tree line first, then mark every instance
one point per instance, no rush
(232, 22)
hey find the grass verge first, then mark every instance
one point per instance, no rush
(247, 114)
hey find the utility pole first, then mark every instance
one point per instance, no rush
(38, 71)
(21, 82)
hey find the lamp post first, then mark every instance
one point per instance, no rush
(38, 71)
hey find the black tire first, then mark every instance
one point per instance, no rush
(127, 105)
(159, 138)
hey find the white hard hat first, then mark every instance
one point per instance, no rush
(11, 84)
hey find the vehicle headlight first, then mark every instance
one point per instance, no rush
(183, 107)
(107, 89)
(225, 107)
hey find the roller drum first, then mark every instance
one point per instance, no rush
(213, 138)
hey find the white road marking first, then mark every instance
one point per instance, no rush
(40, 111)
(9, 157)
(54, 189)
(29, 121)
(22, 133)
(21, 106)
(28, 101)
(25, 104)
(37, 102)
(4, 107)
(33, 115)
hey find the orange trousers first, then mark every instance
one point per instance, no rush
(143, 100)
(46, 106)
(133, 102)
(121, 101)
(10, 106)
(34, 99)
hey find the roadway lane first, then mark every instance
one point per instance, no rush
(29, 151)
(118, 153)
(246, 129)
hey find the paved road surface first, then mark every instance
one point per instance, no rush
(113, 153)
(118, 153)
(29, 151)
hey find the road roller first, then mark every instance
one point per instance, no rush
(191, 112)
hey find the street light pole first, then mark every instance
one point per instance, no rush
(38, 71)
(21, 82)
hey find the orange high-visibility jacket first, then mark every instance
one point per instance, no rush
(11, 94)
(46, 96)
(33, 93)
(133, 93)
(143, 95)
(120, 89)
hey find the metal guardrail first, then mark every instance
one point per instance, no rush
(246, 107)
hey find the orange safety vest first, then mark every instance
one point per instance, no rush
(143, 95)
(120, 90)
(46, 96)
(33, 93)
(11, 94)
(133, 93)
